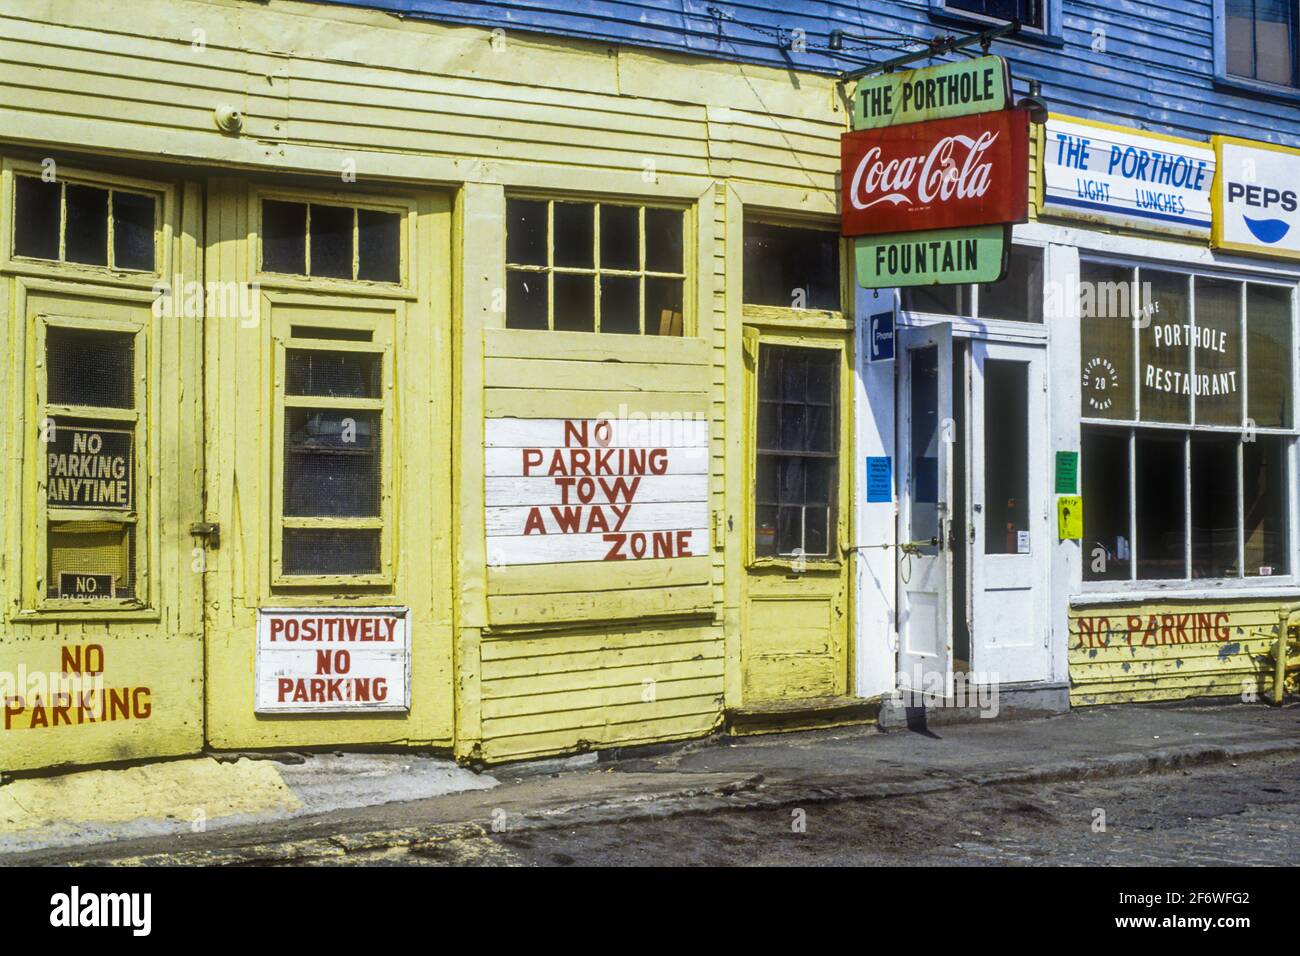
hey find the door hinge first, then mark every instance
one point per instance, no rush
(209, 531)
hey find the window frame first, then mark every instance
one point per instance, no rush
(687, 277)
(164, 204)
(970, 300)
(1245, 83)
(407, 208)
(137, 419)
(380, 325)
(1050, 32)
(1130, 428)
(835, 457)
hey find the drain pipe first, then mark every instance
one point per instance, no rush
(1280, 653)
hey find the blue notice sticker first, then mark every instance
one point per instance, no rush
(880, 337)
(880, 479)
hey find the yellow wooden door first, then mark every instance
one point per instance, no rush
(797, 440)
(101, 643)
(330, 427)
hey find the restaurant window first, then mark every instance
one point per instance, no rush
(797, 451)
(332, 473)
(791, 267)
(1259, 40)
(324, 240)
(595, 267)
(85, 224)
(92, 506)
(1187, 424)
(1016, 297)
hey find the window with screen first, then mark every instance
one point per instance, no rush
(92, 500)
(797, 451)
(332, 470)
(1186, 401)
(595, 267)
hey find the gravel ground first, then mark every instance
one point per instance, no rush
(1222, 815)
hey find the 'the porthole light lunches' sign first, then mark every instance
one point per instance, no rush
(560, 490)
(933, 174)
(333, 660)
(1103, 173)
(1256, 198)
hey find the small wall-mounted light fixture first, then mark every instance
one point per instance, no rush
(229, 119)
(837, 39)
(1035, 103)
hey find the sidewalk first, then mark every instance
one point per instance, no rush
(327, 806)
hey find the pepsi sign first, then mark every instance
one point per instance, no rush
(1256, 202)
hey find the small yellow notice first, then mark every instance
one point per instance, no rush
(1069, 517)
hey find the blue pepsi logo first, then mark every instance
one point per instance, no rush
(1267, 230)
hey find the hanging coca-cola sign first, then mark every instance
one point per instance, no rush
(939, 174)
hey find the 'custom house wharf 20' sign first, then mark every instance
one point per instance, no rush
(934, 173)
(561, 490)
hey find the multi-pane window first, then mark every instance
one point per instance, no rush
(91, 425)
(1017, 296)
(324, 240)
(73, 222)
(1260, 40)
(331, 467)
(797, 439)
(1188, 424)
(792, 267)
(594, 267)
(1028, 12)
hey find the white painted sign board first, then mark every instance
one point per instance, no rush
(1257, 198)
(333, 660)
(1127, 178)
(563, 490)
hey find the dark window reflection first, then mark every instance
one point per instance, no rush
(791, 267)
(796, 467)
(1107, 554)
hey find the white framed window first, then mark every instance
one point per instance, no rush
(1016, 297)
(1187, 425)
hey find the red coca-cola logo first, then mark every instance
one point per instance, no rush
(941, 174)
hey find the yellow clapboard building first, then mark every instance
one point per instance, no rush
(318, 285)
(373, 381)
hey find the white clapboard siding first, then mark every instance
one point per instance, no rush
(503, 492)
(505, 550)
(665, 516)
(669, 432)
(509, 462)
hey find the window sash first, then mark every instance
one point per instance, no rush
(596, 270)
(132, 419)
(381, 522)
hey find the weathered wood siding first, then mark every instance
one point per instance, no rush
(1171, 651)
(547, 658)
(1144, 63)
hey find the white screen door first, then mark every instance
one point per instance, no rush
(1010, 556)
(926, 435)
